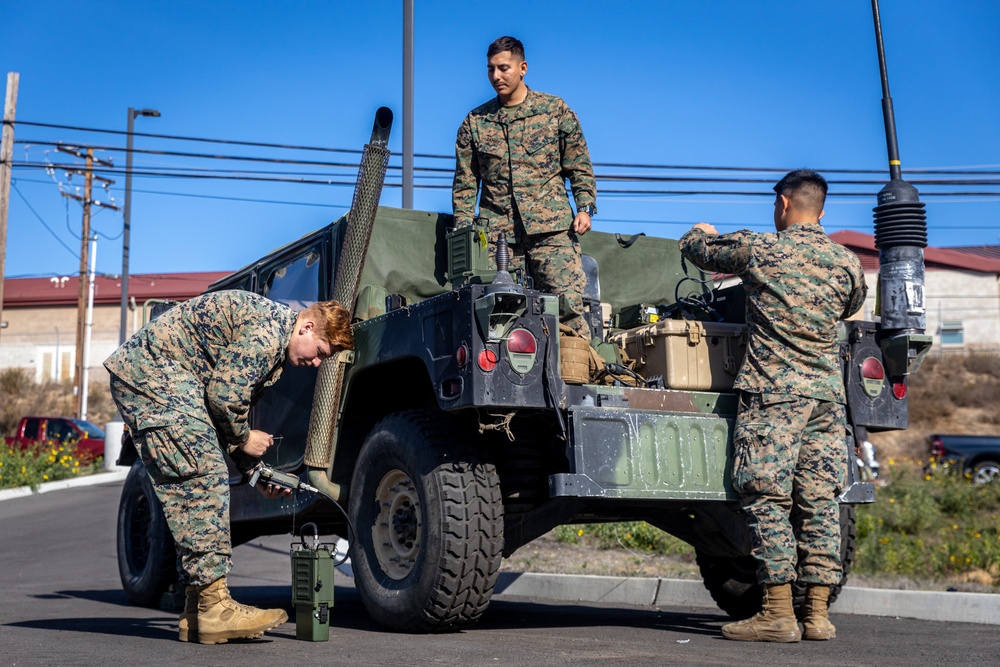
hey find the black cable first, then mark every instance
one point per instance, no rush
(13, 183)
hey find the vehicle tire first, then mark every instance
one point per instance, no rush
(147, 560)
(985, 472)
(428, 521)
(732, 581)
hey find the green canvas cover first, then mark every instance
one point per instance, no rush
(408, 256)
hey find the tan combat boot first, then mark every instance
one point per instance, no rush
(816, 623)
(188, 627)
(219, 618)
(775, 622)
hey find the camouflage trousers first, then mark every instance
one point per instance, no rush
(553, 262)
(185, 462)
(789, 465)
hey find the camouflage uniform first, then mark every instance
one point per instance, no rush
(184, 384)
(790, 459)
(521, 157)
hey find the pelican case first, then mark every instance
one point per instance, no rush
(690, 355)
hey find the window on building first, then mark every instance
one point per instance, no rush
(952, 333)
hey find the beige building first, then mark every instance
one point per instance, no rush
(40, 316)
(961, 292)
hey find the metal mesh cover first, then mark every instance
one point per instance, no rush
(360, 221)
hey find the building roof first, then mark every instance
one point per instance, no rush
(64, 290)
(934, 258)
(991, 251)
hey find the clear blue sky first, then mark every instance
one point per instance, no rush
(775, 84)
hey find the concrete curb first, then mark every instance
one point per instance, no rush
(73, 482)
(649, 592)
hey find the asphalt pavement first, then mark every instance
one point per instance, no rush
(61, 604)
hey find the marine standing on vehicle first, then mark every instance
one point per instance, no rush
(519, 148)
(788, 444)
(184, 384)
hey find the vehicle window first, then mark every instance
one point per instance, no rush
(88, 428)
(59, 431)
(296, 284)
(31, 429)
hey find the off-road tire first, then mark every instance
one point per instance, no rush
(428, 521)
(147, 559)
(732, 581)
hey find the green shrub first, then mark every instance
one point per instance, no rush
(46, 463)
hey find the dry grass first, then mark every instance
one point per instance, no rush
(953, 392)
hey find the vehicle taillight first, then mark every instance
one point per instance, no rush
(872, 376)
(522, 341)
(872, 369)
(937, 447)
(487, 360)
(462, 355)
(899, 390)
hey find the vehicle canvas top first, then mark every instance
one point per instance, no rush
(407, 255)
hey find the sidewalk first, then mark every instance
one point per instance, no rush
(73, 482)
(653, 592)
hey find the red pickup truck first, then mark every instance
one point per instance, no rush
(30, 431)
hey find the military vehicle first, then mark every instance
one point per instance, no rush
(464, 425)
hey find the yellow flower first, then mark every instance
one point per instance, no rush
(45, 476)
(627, 536)
(76, 463)
(968, 560)
(579, 532)
(892, 462)
(954, 526)
(952, 559)
(24, 469)
(892, 500)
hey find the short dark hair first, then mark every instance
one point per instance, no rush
(806, 188)
(506, 43)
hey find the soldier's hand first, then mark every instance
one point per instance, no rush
(273, 491)
(707, 228)
(257, 444)
(581, 223)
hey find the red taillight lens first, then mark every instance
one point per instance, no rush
(937, 447)
(487, 360)
(522, 341)
(462, 356)
(872, 369)
(899, 390)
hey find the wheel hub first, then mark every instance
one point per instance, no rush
(396, 532)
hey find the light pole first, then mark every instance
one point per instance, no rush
(132, 113)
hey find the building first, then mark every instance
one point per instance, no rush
(961, 291)
(40, 318)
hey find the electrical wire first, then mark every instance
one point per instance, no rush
(20, 194)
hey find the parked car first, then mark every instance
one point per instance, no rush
(975, 455)
(88, 438)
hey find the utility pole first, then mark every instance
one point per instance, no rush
(407, 103)
(6, 161)
(126, 232)
(79, 402)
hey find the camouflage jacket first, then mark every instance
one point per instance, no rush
(217, 351)
(542, 143)
(798, 284)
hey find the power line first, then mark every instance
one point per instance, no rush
(438, 156)
(44, 224)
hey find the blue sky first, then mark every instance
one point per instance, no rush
(769, 84)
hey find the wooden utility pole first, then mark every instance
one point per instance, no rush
(6, 161)
(81, 307)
